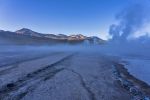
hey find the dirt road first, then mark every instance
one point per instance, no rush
(63, 76)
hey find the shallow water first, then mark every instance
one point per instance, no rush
(140, 68)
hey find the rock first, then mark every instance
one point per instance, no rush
(126, 84)
(134, 91)
(10, 85)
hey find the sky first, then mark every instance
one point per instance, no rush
(87, 17)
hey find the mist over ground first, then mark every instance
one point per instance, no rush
(87, 68)
(129, 37)
(130, 34)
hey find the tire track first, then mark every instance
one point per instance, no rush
(16, 63)
(83, 83)
(18, 89)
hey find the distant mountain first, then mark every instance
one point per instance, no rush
(27, 36)
(25, 31)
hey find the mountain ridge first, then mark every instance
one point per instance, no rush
(28, 36)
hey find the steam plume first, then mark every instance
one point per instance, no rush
(130, 21)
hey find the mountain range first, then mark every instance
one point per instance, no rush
(28, 37)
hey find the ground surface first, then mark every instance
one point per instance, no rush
(61, 76)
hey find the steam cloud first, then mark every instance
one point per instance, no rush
(131, 20)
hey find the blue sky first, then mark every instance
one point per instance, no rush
(88, 17)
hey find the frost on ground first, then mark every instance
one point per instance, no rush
(63, 76)
(43, 74)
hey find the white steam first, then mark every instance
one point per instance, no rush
(133, 21)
